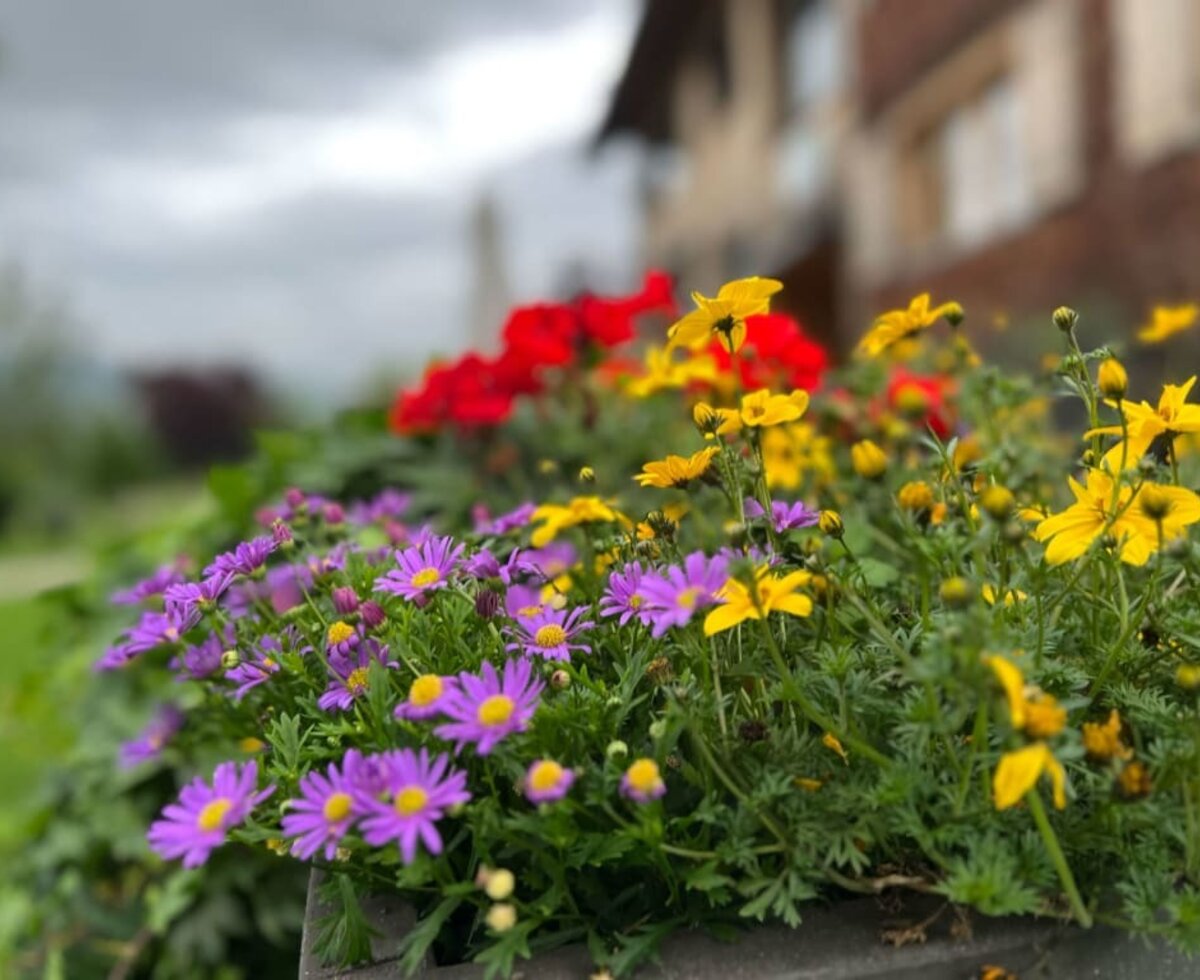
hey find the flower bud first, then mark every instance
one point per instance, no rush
(499, 884)
(345, 600)
(706, 419)
(560, 680)
(587, 474)
(916, 496)
(616, 749)
(230, 659)
(954, 314)
(487, 603)
(830, 523)
(1154, 501)
(372, 614)
(294, 498)
(1188, 677)
(1111, 379)
(1065, 318)
(997, 502)
(501, 917)
(333, 513)
(869, 461)
(658, 728)
(956, 591)
(281, 534)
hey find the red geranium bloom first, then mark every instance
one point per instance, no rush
(609, 322)
(546, 333)
(923, 397)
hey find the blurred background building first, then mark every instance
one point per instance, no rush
(1011, 154)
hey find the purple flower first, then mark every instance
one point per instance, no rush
(148, 588)
(245, 559)
(672, 598)
(350, 675)
(486, 708)
(623, 597)
(784, 516)
(152, 630)
(422, 569)
(322, 814)
(553, 560)
(419, 790)
(192, 827)
(366, 773)
(203, 659)
(426, 696)
(492, 526)
(333, 513)
(373, 614)
(524, 601)
(341, 638)
(149, 743)
(263, 663)
(545, 781)
(186, 602)
(549, 634)
(345, 600)
(334, 561)
(483, 565)
(388, 503)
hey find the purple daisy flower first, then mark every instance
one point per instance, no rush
(152, 630)
(549, 634)
(642, 782)
(150, 742)
(150, 587)
(422, 569)
(553, 560)
(426, 696)
(484, 565)
(673, 597)
(333, 561)
(341, 638)
(524, 602)
(490, 526)
(322, 814)
(262, 665)
(350, 675)
(545, 781)
(388, 503)
(245, 559)
(199, 821)
(486, 708)
(203, 659)
(365, 773)
(419, 790)
(186, 602)
(784, 516)
(623, 596)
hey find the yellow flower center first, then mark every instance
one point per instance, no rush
(213, 813)
(337, 807)
(269, 663)
(643, 775)
(545, 775)
(687, 598)
(550, 636)
(425, 690)
(340, 632)
(529, 611)
(755, 412)
(426, 576)
(496, 710)
(356, 683)
(635, 602)
(410, 800)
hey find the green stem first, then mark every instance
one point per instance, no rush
(1057, 858)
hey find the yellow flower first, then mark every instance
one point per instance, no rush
(791, 452)
(897, 325)
(761, 408)
(1013, 681)
(1134, 780)
(1044, 716)
(676, 471)
(830, 522)
(830, 741)
(998, 501)
(915, 496)
(724, 315)
(555, 518)
(771, 594)
(1103, 741)
(1072, 531)
(1030, 709)
(807, 783)
(869, 461)
(1111, 378)
(1144, 423)
(663, 372)
(1166, 321)
(990, 595)
(1019, 771)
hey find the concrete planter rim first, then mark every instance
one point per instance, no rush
(837, 941)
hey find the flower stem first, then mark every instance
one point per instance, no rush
(1057, 858)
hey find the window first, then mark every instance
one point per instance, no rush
(815, 56)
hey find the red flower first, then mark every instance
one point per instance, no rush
(922, 398)
(609, 322)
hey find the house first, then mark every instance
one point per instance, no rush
(1011, 154)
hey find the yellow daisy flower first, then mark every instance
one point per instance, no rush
(1144, 423)
(898, 325)
(1166, 321)
(676, 471)
(724, 315)
(1019, 771)
(772, 594)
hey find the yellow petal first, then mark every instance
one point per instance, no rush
(1017, 773)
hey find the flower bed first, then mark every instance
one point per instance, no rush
(842, 640)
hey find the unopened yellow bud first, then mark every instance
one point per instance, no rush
(1111, 379)
(1154, 501)
(916, 496)
(1188, 677)
(869, 461)
(501, 917)
(830, 523)
(956, 591)
(1065, 318)
(587, 474)
(998, 502)
(499, 884)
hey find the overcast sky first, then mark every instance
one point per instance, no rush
(286, 183)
